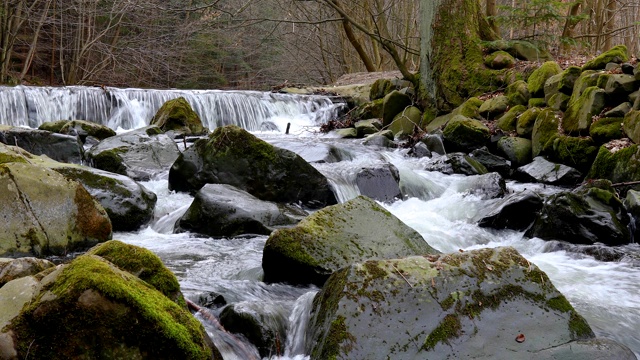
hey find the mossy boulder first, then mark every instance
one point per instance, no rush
(518, 93)
(536, 81)
(617, 54)
(618, 166)
(499, 60)
(508, 121)
(589, 214)
(177, 115)
(469, 108)
(346, 133)
(393, 104)
(231, 155)
(515, 149)
(92, 309)
(563, 82)
(619, 111)
(338, 236)
(44, 213)
(380, 88)
(494, 106)
(520, 49)
(82, 129)
(369, 110)
(545, 130)
(580, 112)
(526, 121)
(221, 210)
(537, 102)
(367, 127)
(465, 134)
(446, 306)
(541, 170)
(559, 101)
(404, 124)
(577, 152)
(606, 129)
(53, 126)
(9, 154)
(64, 148)
(619, 86)
(140, 154)
(631, 125)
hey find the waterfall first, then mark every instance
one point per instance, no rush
(133, 108)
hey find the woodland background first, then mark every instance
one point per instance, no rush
(257, 44)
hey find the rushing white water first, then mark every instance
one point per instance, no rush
(126, 109)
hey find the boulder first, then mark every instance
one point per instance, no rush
(545, 130)
(233, 156)
(559, 101)
(517, 93)
(221, 210)
(587, 79)
(515, 149)
(43, 213)
(494, 106)
(468, 109)
(516, 211)
(338, 236)
(434, 142)
(577, 152)
(53, 126)
(369, 110)
(535, 83)
(589, 214)
(543, 171)
(480, 304)
(64, 148)
(456, 163)
(141, 154)
(177, 115)
(631, 125)
(619, 111)
(90, 308)
(380, 88)
(606, 129)
(520, 49)
(492, 162)
(579, 114)
(263, 325)
(465, 134)
(368, 127)
(11, 269)
(619, 87)
(485, 186)
(405, 123)
(346, 133)
(499, 60)
(562, 83)
(393, 104)
(82, 129)
(617, 54)
(619, 166)
(526, 121)
(537, 102)
(508, 121)
(379, 182)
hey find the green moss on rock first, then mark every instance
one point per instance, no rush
(508, 121)
(617, 54)
(538, 78)
(606, 129)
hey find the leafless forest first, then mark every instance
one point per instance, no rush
(256, 44)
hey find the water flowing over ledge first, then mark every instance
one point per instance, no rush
(133, 108)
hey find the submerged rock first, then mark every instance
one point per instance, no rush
(90, 308)
(482, 304)
(43, 213)
(337, 236)
(222, 210)
(233, 156)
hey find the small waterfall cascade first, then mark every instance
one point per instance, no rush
(132, 108)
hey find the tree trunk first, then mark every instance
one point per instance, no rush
(570, 23)
(491, 13)
(452, 67)
(609, 24)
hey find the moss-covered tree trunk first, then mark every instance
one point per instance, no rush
(452, 66)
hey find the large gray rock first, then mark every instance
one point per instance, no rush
(465, 134)
(516, 211)
(59, 147)
(456, 163)
(379, 183)
(44, 213)
(543, 171)
(589, 214)
(140, 154)
(335, 237)
(222, 210)
(233, 156)
(580, 111)
(482, 304)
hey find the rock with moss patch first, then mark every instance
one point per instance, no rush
(606, 129)
(233, 156)
(577, 152)
(515, 149)
(90, 308)
(380, 88)
(367, 127)
(578, 117)
(456, 163)
(11, 269)
(446, 306)
(618, 166)
(64, 148)
(405, 122)
(619, 111)
(508, 121)
(619, 87)
(369, 110)
(140, 154)
(520, 49)
(617, 54)
(465, 134)
(83, 129)
(345, 133)
(631, 125)
(43, 213)
(562, 83)
(177, 115)
(518, 93)
(541, 170)
(492, 162)
(393, 104)
(338, 236)
(468, 109)
(536, 81)
(526, 121)
(262, 324)
(9, 154)
(499, 60)
(53, 126)
(222, 210)
(559, 101)
(494, 107)
(545, 130)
